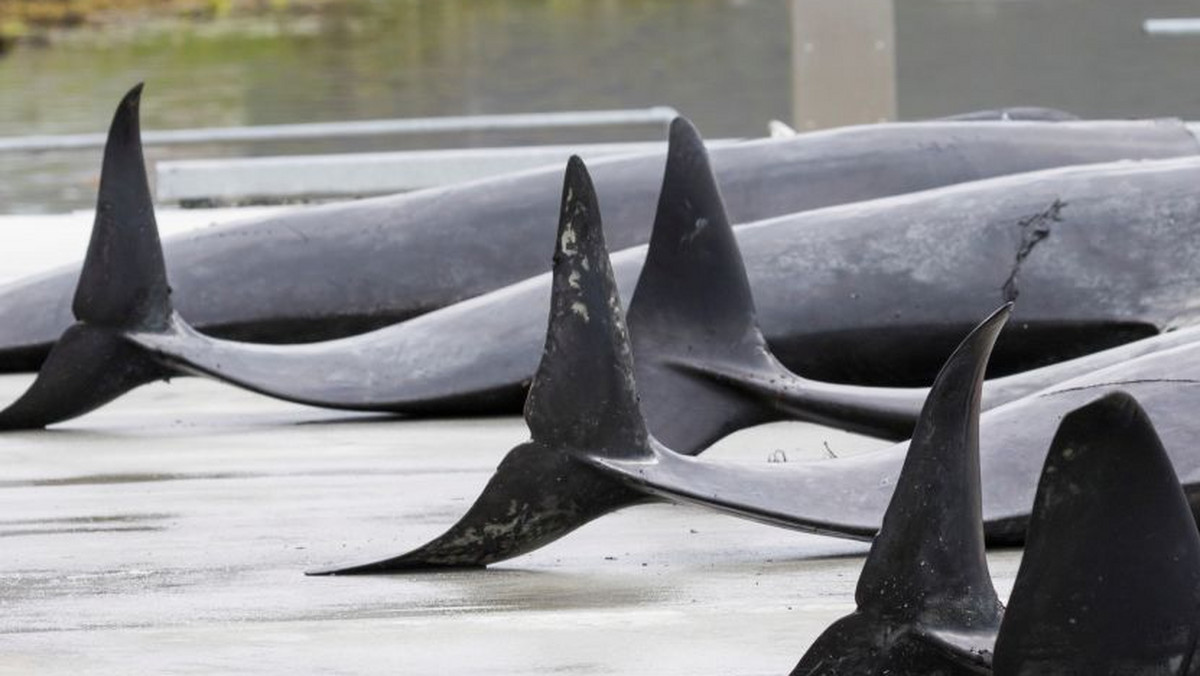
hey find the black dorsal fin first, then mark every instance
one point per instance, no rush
(926, 604)
(124, 280)
(582, 403)
(694, 277)
(928, 562)
(583, 394)
(1110, 579)
(693, 304)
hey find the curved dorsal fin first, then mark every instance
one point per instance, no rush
(124, 280)
(693, 304)
(1110, 579)
(694, 278)
(583, 394)
(928, 560)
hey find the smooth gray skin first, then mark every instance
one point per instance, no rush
(848, 497)
(703, 367)
(340, 269)
(881, 289)
(891, 412)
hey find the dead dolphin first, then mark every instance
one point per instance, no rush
(845, 497)
(704, 368)
(871, 293)
(1109, 582)
(439, 363)
(546, 488)
(336, 270)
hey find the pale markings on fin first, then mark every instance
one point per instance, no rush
(567, 242)
(700, 224)
(581, 310)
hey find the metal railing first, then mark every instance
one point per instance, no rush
(657, 115)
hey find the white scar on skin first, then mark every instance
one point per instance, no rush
(567, 242)
(700, 224)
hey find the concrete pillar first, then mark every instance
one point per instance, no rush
(843, 62)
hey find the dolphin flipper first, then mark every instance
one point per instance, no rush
(122, 287)
(582, 401)
(926, 603)
(1110, 579)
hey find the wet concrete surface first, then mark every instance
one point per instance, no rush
(169, 532)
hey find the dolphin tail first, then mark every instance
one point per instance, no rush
(1110, 579)
(582, 402)
(693, 307)
(925, 598)
(123, 287)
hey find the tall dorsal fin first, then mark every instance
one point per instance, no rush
(693, 305)
(582, 403)
(583, 394)
(1110, 579)
(694, 277)
(928, 560)
(124, 280)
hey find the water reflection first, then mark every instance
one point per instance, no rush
(723, 62)
(726, 63)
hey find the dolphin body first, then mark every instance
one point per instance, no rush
(592, 451)
(703, 366)
(336, 270)
(1080, 605)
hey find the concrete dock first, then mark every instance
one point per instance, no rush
(169, 532)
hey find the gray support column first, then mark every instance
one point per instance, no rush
(843, 62)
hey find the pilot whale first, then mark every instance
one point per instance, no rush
(592, 451)
(704, 368)
(925, 600)
(692, 319)
(336, 270)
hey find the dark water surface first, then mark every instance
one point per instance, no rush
(725, 63)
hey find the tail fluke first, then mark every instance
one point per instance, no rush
(925, 599)
(1110, 579)
(582, 402)
(693, 304)
(123, 287)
